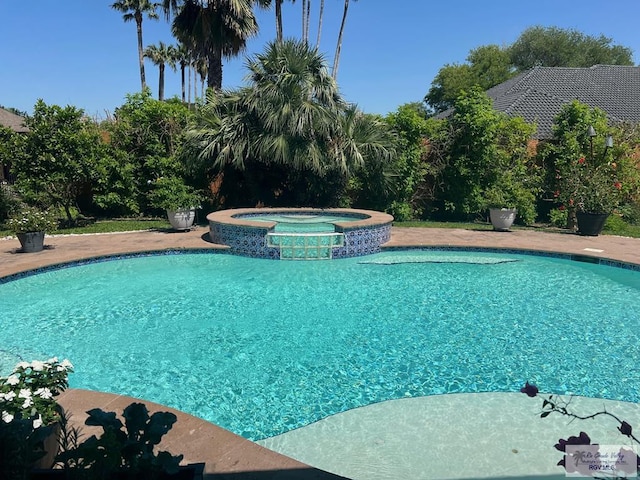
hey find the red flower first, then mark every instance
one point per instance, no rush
(556, 193)
(561, 207)
(581, 160)
(618, 185)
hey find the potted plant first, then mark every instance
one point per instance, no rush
(178, 199)
(501, 205)
(31, 415)
(594, 193)
(127, 450)
(30, 224)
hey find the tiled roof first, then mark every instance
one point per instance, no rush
(12, 121)
(538, 94)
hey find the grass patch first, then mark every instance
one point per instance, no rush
(109, 226)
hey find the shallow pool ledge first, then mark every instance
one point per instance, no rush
(199, 441)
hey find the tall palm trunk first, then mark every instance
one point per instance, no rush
(306, 28)
(214, 74)
(143, 81)
(305, 36)
(279, 20)
(182, 68)
(320, 23)
(336, 60)
(189, 86)
(161, 82)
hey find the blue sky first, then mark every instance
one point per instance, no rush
(81, 53)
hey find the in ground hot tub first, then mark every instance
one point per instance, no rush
(300, 233)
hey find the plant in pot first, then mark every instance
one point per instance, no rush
(595, 194)
(30, 224)
(178, 199)
(127, 450)
(31, 415)
(501, 205)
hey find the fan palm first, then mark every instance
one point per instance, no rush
(291, 120)
(135, 10)
(161, 55)
(215, 29)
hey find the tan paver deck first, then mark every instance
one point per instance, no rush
(229, 456)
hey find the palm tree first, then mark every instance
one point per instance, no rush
(336, 59)
(135, 10)
(215, 29)
(161, 55)
(289, 137)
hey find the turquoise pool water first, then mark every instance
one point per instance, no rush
(302, 223)
(261, 347)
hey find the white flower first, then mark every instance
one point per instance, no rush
(44, 393)
(7, 417)
(7, 397)
(66, 364)
(52, 360)
(37, 423)
(37, 365)
(28, 400)
(22, 365)
(12, 380)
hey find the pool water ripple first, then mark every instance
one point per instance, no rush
(261, 347)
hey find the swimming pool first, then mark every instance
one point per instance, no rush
(262, 347)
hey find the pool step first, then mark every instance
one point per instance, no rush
(305, 246)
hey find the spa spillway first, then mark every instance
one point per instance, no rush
(300, 233)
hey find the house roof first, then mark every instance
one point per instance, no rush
(12, 121)
(538, 94)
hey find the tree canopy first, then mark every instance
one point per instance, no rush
(490, 65)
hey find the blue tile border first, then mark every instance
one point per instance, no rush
(107, 258)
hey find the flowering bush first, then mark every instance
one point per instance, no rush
(589, 186)
(31, 219)
(28, 393)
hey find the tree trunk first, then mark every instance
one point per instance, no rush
(306, 28)
(214, 74)
(279, 20)
(304, 21)
(182, 67)
(320, 23)
(336, 59)
(189, 86)
(143, 82)
(161, 83)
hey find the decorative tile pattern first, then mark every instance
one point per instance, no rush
(251, 241)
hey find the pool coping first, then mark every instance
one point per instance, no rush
(224, 452)
(373, 218)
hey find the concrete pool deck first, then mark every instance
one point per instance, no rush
(228, 456)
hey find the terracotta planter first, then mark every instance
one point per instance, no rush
(502, 218)
(31, 241)
(181, 219)
(591, 224)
